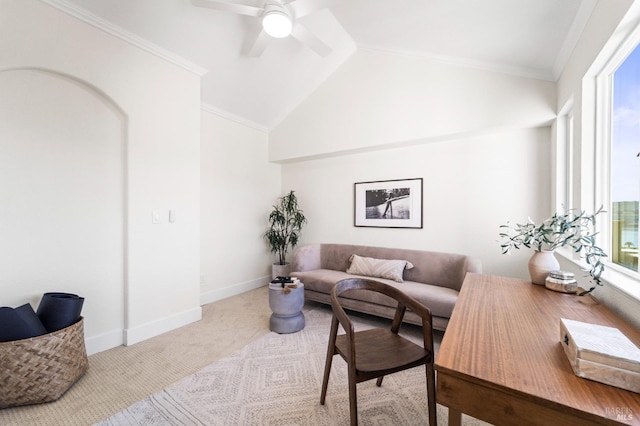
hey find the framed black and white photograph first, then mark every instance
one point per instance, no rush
(389, 203)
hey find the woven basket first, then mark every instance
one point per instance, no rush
(43, 368)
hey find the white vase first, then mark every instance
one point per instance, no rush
(540, 264)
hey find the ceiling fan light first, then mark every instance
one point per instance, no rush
(277, 24)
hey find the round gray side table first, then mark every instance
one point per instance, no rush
(286, 304)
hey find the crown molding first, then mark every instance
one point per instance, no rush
(575, 31)
(534, 73)
(119, 32)
(229, 116)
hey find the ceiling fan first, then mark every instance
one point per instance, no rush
(279, 20)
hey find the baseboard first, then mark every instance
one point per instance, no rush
(134, 335)
(163, 325)
(232, 290)
(104, 341)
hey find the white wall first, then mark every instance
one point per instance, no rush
(62, 170)
(238, 187)
(479, 139)
(471, 186)
(378, 99)
(160, 103)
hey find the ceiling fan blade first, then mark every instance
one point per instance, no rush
(240, 9)
(258, 46)
(305, 7)
(310, 40)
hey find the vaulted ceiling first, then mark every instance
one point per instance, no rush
(531, 38)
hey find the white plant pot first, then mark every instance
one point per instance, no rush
(540, 264)
(278, 270)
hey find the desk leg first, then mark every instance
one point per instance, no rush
(455, 417)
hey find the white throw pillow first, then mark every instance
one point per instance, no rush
(380, 268)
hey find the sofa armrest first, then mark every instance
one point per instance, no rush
(306, 258)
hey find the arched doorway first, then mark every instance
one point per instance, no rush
(62, 186)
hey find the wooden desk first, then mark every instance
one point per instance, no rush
(501, 359)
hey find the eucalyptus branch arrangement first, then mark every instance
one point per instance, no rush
(286, 221)
(570, 229)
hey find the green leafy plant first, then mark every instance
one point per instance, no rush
(570, 229)
(286, 221)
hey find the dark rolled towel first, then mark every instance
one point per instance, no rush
(30, 317)
(14, 327)
(59, 310)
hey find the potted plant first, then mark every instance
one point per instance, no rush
(570, 229)
(285, 222)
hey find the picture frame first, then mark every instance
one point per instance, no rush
(388, 203)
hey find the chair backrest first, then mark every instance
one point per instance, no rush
(404, 302)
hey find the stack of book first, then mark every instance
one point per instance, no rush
(286, 281)
(601, 353)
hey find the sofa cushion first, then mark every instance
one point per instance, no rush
(321, 280)
(443, 269)
(440, 300)
(378, 268)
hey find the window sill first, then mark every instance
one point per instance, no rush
(612, 275)
(622, 281)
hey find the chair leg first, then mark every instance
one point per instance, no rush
(379, 381)
(431, 394)
(331, 351)
(325, 380)
(353, 399)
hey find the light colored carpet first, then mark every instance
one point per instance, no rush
(276, 380)
(124, 375)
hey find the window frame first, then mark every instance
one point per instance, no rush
(565, 155)
(616, 275)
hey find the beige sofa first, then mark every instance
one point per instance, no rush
(434, 280)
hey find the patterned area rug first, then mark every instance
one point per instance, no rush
(276, 380)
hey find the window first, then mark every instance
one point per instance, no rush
(606, 166)
(625, 162)
(565, 156)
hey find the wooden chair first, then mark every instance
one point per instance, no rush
(377, 352)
